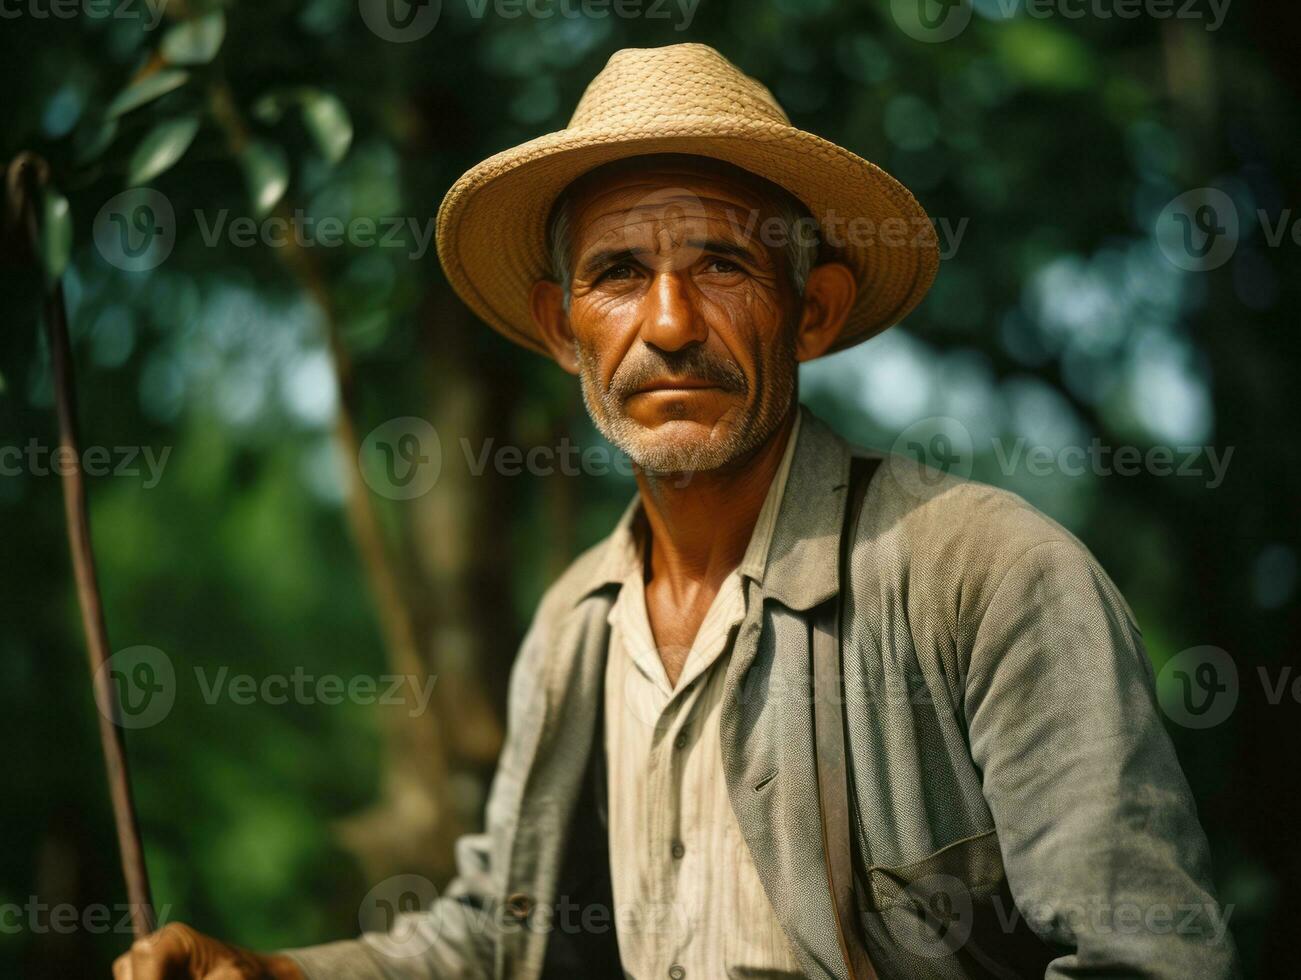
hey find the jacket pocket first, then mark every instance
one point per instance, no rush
(973, 867)
(951, 915)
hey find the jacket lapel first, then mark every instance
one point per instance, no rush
(802, 566)
(767, 721)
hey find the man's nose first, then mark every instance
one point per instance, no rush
(670, 320)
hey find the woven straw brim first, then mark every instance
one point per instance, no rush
(492, 238)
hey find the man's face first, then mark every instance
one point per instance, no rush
(683, 320)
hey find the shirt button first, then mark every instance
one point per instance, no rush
(681, 741)
(676, 972)
(678, 850)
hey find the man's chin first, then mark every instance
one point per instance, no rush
(679, 446)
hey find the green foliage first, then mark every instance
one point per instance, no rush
(161, 148)
(146, 90)
(56, 234)
(266, 169)
(327, 120)
(194, 42)
(324, 116)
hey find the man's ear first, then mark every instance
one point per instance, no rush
(828, 297)
(547, 306)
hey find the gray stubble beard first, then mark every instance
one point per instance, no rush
(640, 444)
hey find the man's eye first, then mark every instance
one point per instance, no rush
(722, 265)
(622, 270)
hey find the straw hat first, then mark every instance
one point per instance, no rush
(684, 98)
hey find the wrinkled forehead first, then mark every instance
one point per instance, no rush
(635, 197)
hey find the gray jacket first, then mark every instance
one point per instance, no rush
(1019, 807)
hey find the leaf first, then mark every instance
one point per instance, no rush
(56, 234)
(267, 172)
(161, 148)
(195, 42)
(146, 90)
(327, 120)
(324, 115)
(269, 107)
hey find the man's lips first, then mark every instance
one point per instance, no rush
(675, 385)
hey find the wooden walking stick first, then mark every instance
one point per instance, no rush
(27, 179)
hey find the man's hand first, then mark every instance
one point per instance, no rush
(177, 952)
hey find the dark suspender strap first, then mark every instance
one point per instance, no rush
(829, 741)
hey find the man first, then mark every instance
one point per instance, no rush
(667, 801)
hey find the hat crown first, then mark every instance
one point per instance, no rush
(678, 82)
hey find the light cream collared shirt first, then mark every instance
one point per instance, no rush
(688, 902)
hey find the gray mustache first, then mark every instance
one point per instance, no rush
(692, 362)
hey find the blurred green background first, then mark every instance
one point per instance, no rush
(1053, 143)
